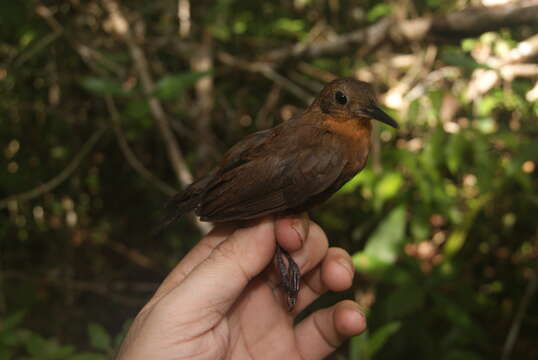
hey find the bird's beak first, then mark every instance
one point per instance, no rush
(376, 113)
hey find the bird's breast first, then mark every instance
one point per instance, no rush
(355, 138)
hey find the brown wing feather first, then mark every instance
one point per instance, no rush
(276, 182)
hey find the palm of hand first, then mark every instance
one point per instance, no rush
(220, 303)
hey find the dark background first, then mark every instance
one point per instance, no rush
(108, 107)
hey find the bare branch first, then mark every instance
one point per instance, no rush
(129, 154)
(58, 179)
(267, 108)
(475, 21)
(369, 37)
(458, 24)
(202, 61)
(184, 17)
(530, 290)
(507, 68)
(90, 56)
(112, 291)
(122, 28)
(267, 71)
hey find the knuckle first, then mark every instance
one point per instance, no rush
(317, 231)
(225, 250)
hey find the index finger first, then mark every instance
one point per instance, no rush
(194, 257)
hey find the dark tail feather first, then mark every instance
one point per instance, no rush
(184, 201)
(174, 208)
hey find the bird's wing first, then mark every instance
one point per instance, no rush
(280, 175)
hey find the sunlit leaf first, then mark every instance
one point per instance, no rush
(404, 300)
(381, 336)
(89, 356)
(387, 187)
(171, 86)
(378, 11)
(454, 152)
(366, 176)
(462, 60)
(457, 354)
(384, 244)
(102, 86)
(99, 337)
(12, 321)
(289, 25)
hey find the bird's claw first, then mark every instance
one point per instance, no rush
(290, 276)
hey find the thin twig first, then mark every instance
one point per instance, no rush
(129, 154)
(530, 290)
(184, 17)
(90, 55)
(58, 179)
(454, 25)
(506, 67)
(122, 28)
(202, 61)
(35, 49)
(133, 255)
(478, 20)
(109, 290)
(267, 71)
(271, 74)
(368, 37)
(269, 105)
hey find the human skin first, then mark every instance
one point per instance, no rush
(223, 301)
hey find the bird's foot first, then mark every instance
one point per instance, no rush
(290, 275)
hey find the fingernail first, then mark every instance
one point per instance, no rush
(347, 265)
(298, 225)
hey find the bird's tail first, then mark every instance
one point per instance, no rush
(184, 201)
(175, 208)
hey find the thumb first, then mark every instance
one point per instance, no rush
(215, 284)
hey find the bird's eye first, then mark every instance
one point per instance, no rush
(340, 98)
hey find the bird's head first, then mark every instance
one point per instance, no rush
(350, 98)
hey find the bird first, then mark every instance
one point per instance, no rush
(290, 168)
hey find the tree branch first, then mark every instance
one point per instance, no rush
(58, 179)
(368, 37)
(475, 21)
(129, 154)
(458, 24)
(123, 30)
(530, 290)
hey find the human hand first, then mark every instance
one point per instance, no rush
(222, 301)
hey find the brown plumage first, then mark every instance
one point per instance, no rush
(291, 167)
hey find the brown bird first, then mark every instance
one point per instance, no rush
(290, 168)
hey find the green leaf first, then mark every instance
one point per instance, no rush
(377, 12)
(12, 321)
(99, 337)
(42, 348)
(454, 152)
(384, 245)
(292, 26)
(102, 86)
(171, 86)
(404, 300)
(458, 354)
(381, 336)
(364, 177)
(386, 188)
(358, 346)
(462, 60)
(89, 356)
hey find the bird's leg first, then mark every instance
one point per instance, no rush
(290, 275)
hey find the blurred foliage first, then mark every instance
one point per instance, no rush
(441, 224)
